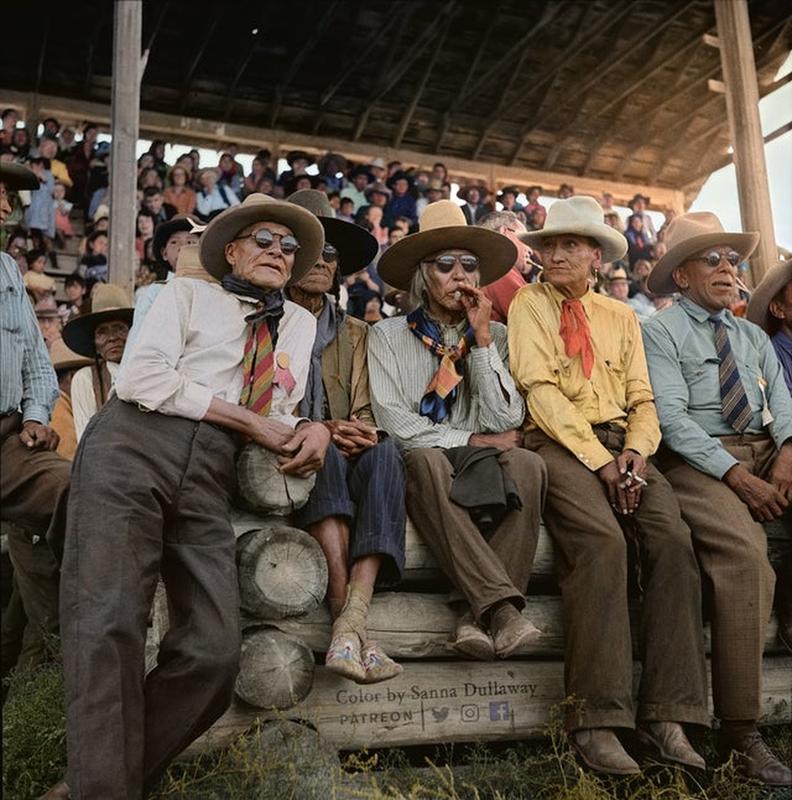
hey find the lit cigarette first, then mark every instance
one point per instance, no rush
(457, 295)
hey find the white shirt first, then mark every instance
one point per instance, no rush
(83, 398)
(189, 350)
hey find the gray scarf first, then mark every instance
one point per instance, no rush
(327, 326)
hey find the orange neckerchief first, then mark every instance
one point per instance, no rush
(576, 334)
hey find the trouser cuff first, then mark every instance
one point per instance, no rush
(674, 712)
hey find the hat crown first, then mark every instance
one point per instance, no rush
(189, 256)
(312, 200)
(60, 354)
(694, 223)
(108, 297)
(570, 215)
(442, 214)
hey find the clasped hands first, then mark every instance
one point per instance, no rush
(301, 451)
(625, 479)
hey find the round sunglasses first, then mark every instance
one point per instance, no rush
(329, 253)
(445, 263)
(264, 239)
(713, 258)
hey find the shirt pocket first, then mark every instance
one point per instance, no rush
(697, 370)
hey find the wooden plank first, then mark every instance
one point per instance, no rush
(418, 626)
(447, 702)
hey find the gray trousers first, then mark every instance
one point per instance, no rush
(149, 494)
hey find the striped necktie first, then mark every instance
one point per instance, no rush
(736, 410)
(258, 369)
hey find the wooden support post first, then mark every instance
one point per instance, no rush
(125, 119)
(742, 103)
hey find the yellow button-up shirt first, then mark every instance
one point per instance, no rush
(561, 400)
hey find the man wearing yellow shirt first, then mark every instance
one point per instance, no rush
(578, 359)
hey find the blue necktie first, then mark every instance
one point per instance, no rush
(736, 410)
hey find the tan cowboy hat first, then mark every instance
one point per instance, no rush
(581, 216)
(774, 281)
(38, 282)
(688, 234)
(262, 208)
(108, 303)
(63, 358)
(16, 177)
(188, 264)
(442, 226)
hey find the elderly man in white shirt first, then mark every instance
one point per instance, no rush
(151, 489)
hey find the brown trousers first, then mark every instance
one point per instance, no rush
(31, 481)
(732, 551)
(592, 564)
(484, 571)
(149, 494)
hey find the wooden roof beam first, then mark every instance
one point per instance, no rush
(199, 55)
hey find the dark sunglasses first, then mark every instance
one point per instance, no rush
(713, 258)
(329, 254)
(446, 263)
(264, 239)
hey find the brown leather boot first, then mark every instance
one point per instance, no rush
(60, 791)
(511, 630)
(471, 640)
(600, 749)
(670, 740)
(755, 759)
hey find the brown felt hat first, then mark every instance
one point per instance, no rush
(262, 208)
(64, 358)
(772, 283)
(108, 303)
(442, 226)
(687, 235)
(16, 177)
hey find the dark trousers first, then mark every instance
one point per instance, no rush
(149, 494)
(369, 493)
(31, 481)
(592, 565)
(485, 571)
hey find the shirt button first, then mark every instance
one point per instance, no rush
(36, 538)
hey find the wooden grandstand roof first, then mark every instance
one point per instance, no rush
(611, 89)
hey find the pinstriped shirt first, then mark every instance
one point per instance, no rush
(400, 368)
(27, 379)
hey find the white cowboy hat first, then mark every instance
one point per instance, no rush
(772, 283)
(689, 234)
(580, 216)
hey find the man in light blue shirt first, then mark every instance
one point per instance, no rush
(726, 418)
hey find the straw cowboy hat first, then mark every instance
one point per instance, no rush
(689, 234)
(63, 358)
(38, 282)
(356, 247)
(188, 264)
(442, 226)
(16, 177)
(262, 208)
(108, 303)
(774, 281)
(580, 216)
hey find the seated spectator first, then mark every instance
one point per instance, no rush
(532, 194)
(378, 194)
(49, 320)
(332, 168)
(259, 171)
(373, 311)
(48, 149)
(79, 162)
(578, 358)
(179, 194)
(63, 226)
(610, 212)
(229, 176)
(17, 248)
(638, 206)
(100, 336)
(641, 300)
(439, 172)
(213, 196)
(144, 231)
(378, 170)
(93, 265)
(153, 202)
(618, 285)
(726, 416)
(461, 426)
(40, 214)
(37, 264)
(157, 152)
(473, 209)
(433, 193)
(75, 289)
(356, 509)
(149, 179)
(346, 209)
(373, 216)
(639, 244)
(507, 197)
(66, 363)
(21, 143)
(395, 234)
(298, 161)
(565, 191)
(355, 190)
(536, 220)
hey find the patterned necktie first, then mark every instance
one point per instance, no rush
(258, 369)
(736, 410)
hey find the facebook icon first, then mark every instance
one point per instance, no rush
(499, 712)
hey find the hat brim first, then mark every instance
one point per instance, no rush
(17, 177)
(226, 225)
(78, 333)
(613, 243)
(356, 247)
(496, 253)
(773, 282)
(661, 280)
(73, 363)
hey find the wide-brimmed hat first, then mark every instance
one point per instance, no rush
(163, 232)
(377, 162)
(357, 248)
(188, 264)
(463, 191)
(108, 303)
(332, 162)
(400, 175)
(294, 155)
(688, 234)
(442, 226)
(618, 275)
(46, 309)
(262, 208)
(580, 216)
(377, 188)
(772, 283)
(16, 177)
(64, 358)
(39, 282)
(434, 185)
(515, 190)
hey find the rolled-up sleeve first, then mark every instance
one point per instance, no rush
(680, 433)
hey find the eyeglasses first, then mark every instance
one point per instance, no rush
(264, 239)
(469, 263)
(713, 258)
(329, 254)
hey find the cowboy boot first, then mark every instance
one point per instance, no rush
(670, 739)
(600, 749)
(511, 630)
(471, 640)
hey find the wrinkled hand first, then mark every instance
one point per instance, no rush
(616, 488)
(479, 309)
(763, 499)
(781, 473)
(503, 441)
(269, 433)
(305, 452)
(38, 437)
(352, 437)
(632, 461)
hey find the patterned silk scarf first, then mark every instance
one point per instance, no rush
(576, 334)
(443, 389)
(258, 362)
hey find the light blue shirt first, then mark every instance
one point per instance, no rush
(27, 377)
(144, 300)
(683, 367)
